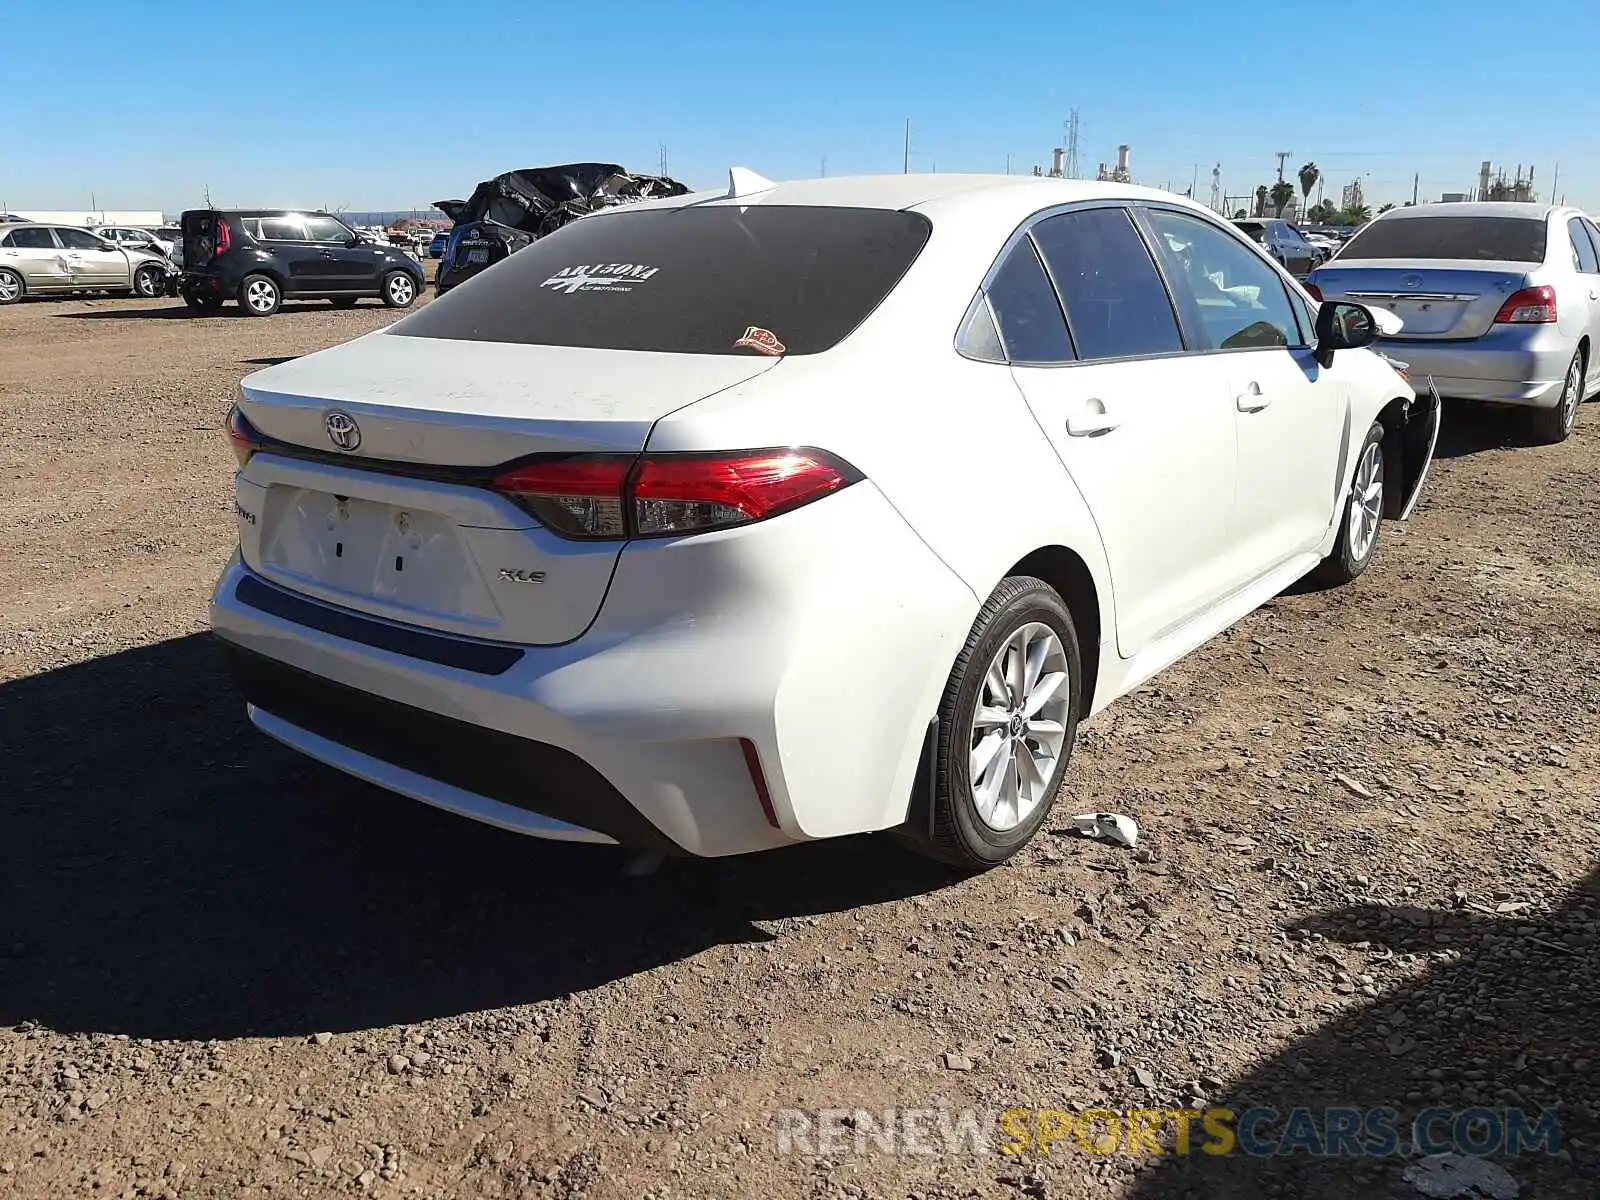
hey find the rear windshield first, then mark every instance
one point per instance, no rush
(1487, 239)
(1254, 232)
(699, 280)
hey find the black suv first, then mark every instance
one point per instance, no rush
(263, 257)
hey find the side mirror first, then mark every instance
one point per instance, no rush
(1343, 326)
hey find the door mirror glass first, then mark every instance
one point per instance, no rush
(1342, 326)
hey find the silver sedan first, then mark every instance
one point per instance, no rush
(41, 259)
(1500, 302)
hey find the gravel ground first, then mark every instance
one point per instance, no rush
(1368, 877)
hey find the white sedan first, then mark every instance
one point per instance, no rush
(730, 521)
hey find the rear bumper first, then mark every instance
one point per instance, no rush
(822, 638)
(1506, 366)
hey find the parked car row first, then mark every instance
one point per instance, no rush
(719, 523)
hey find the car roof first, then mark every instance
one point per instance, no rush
(1474, 208)
(260, 212)
(1000, 198)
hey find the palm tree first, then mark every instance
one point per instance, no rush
(1356, 214)
(1385, 208)
(1282, 192)
(1309, 175)
(1261, 200)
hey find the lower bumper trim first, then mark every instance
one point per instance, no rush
(535, 777)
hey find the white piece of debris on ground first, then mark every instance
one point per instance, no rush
(1108, 827)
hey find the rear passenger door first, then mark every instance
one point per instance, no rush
(31, 251)
(1289, 411)
(1147, 438)
(1586, 257)
(304, 266)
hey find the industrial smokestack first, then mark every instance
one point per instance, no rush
(1058, 162)
(1122, 160)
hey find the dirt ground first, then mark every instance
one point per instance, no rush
(1369, 877)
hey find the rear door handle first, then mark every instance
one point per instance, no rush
(1251, 399)
(1091, 421)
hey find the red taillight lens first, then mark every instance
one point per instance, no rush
(607, 496)
(1316, 292)
(577, 497)
(224, 238)
(242, 436)
(1530, 306)
(693, 493)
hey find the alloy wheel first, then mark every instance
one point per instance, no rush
(146, 284)
(1366, 502)
(1573, 394)
(261, 295)
(1019, 727)
(401, 290)
(10, 288)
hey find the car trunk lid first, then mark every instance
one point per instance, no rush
(374, 491)
(1438, 300)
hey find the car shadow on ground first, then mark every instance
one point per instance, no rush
(1506, 1015)
(166, 871)
(1469, 428)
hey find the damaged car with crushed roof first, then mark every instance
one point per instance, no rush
(742, 518)
(513, 209)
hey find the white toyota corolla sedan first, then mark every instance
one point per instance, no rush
(730, 521)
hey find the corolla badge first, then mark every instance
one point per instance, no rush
(1411, 281)
(342, 429)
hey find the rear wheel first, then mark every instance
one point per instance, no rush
(10, 287)
(149, 282)
(399, 289)
(259, 295)
(1362, 516)
(1006, 727)
(1552, 425)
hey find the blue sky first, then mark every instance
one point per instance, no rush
(367, 105)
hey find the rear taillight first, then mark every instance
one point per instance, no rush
(242, 436)
(1530, 306)
(665, 495)
(224, 238)
(1316, 292)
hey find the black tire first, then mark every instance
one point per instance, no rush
(12, 288)
(149, 282)
(343, 301)
(1550, 426)
(954, 832)
(201, 304)
(400, 289)
(1348, 560)
(259, 295)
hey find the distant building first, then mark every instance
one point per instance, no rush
(1453, 198)
(137, 218)
(1352, 196)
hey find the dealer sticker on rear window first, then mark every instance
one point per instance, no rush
(599, 277)
(764, 340)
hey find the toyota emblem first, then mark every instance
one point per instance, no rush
(342, 429)
(1412, 281)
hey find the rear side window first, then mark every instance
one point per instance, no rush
(283, 229)
(719, 279)
(1583, 255)
(1117, 306)
(1483, 239)
(30, 239)
(1025, 305)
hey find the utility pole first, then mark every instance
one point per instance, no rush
(1282, 155)
(905, 166)
(1553, 183)
(824, 166)
(1008, 164)
(1194, 182)
(1416, 180)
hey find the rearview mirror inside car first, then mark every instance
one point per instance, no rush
(1343, 326)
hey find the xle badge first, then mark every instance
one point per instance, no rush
(764, 340)
(518, 575)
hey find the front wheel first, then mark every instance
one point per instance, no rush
(1006, 727)
(259, 295)
(1362, 517)
(10, 287)
(149, 282)
(399, 289)
(1553, 425)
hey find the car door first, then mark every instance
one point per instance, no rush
(350, 268)
(1586, 256)
(92, 261)
(301, 262)
(1289, 411)
(1147, 439)
(32, 252)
